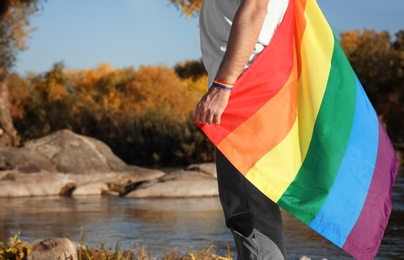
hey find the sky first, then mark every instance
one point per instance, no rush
(132, 33)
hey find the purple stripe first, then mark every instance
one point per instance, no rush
(364, 240)
(354, 175)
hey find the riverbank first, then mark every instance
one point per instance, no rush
(160, 225)
(167, 210)
(65, 249)
(72, 165)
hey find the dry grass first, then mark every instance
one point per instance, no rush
(140, 253)
(16, 249)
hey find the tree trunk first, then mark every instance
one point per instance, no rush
(4, 4)
(8, 134)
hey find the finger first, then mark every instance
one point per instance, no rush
(216, 119)
(209, 118)
(198, 115)
(202, 116)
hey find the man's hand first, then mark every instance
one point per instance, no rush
(244, 34)
(210, 108)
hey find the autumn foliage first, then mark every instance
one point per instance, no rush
(145, 115)
(188, 7)
(379, 64)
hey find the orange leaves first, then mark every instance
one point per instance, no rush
(350, 41)
(116, 93)
(144, 115)
(188, 7)
(157, 88)
(14, 28)
(379, 64)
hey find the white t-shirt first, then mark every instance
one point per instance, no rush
(215, 22)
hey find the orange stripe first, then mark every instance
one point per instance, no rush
(274, 119)
(260, 82)
(300, 27)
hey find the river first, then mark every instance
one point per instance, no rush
(165, 224)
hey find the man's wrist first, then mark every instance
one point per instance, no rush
(222, 84)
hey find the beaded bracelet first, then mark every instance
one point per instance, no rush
(221, 84)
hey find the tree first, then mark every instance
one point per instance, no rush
(371, 56)
(394, 107)
(379, 64)
(188, 7)
(190, 69)
(14, 29)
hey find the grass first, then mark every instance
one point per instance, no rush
(16, 249)
(140, 253)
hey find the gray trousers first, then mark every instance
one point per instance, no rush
(254, 220)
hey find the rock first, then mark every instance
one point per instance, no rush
(63, 152)
(208, 168)
(24, 160)
(67, 190)
(67, 164)
(94, 188)
(123, 189)
(73, 153)
(15, 184)
(52, 249)
(178, 184)
(5, 138)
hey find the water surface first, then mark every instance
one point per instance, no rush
(165, 224)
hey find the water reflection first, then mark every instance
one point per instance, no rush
(165, 224)
(162, 224)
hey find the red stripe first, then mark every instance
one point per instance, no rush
(263, 130)
(266, 80)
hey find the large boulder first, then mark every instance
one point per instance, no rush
(68, 164)
(65, 163)
(24, 160)
(73, 153)
(63, 152)
(16, 184)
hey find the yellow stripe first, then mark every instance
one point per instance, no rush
(279, 167)
(315, 71)
(277, 173)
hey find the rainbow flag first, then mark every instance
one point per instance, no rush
(300, 127)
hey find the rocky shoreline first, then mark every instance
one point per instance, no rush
(68, 164)
(66, 249)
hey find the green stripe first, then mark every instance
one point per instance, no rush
(329, 141)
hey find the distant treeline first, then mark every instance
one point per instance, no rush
(145, 115)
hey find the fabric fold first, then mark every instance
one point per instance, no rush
(300, 127)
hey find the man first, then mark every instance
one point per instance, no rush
(233, 33)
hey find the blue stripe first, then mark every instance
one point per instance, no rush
(355, 174)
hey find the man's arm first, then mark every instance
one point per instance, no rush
(244, 34)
